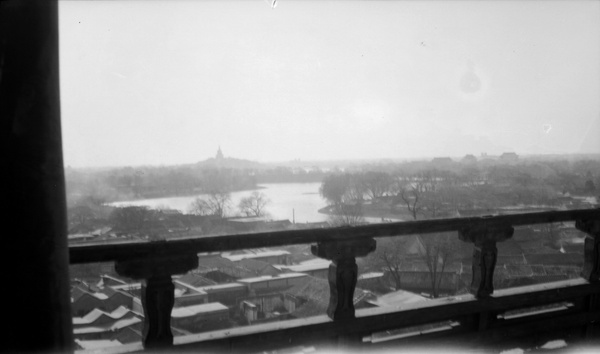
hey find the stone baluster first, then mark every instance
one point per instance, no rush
(157, 293)
(485, 253)
(591, 249)
(591, 267)
(343, 273)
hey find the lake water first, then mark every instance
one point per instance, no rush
(286, 200)
(292, 201)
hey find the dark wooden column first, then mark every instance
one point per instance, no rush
(485, 254)
(35, 295)
(343, 273)
(158, 294)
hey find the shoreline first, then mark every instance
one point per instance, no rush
(183, 195)
(372, 212)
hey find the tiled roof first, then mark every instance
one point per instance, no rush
(97, 344)
(258, 267)
(76, 293)
(306, 266)
(239, 257)
(555, 258)
(266, 278)
(190, 311)
(317, 291)
(94, 315)
(397, 298)
(538, 270)
(128, 335)
(518, 270)
(195, 280)
(512, 259)
(108, 327)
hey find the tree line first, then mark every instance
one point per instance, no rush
(423, 191)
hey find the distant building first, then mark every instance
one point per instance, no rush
(317, 267)
(108, 299)
(102, 325)
(220, 161)
(416, 277)
(312, 296)
(96, 344)
(373, 281)
(267, 307)
(273, 257)
(197, 317)
(258, 267)
(268, 283)
(227, 294)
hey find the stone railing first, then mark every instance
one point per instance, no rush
(483, 315)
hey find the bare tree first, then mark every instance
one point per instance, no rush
(390, 255)
(437, 252)
(347, 215)
(376, 184)
(254, 205)
(340, 189)
(199, 207)
(411, 198)
(334, 188)
(217, 203)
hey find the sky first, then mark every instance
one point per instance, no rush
(168, 82)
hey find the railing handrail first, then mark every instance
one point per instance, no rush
(114, 251)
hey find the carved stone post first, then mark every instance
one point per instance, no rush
(591, 267)
(591, 249)
(485, 254)
(157, 293)
(343, 273)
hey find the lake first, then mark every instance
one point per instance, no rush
(292, 201)
(286, 200)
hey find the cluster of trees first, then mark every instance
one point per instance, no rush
(149, 182)
(424, 191)
(432, 192)
(145, 221)
(343, 188)
(218, 203)
(133, 219)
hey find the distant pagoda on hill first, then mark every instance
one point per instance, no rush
(220, 161)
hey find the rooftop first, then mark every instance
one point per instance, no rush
(108, 327)
(270, 277)
(397, 299)
(189, 311)
(238, 257)
(95, 314)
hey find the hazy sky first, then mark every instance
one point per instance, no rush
(167, 82)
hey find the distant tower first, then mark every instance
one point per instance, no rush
(219, 154)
